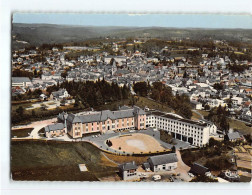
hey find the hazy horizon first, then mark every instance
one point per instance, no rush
(181, 21)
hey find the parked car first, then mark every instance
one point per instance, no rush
(156, 177)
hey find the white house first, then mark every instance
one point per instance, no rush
(165, 162)
(61, 94)
(237, 101)
(20, 82)
(128, 171)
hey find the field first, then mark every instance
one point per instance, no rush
(124, 159)
(195, 116)
(242, 127)
(136, 143)
(143, 101)
(21, 132)
(38, 160)
(243, 156)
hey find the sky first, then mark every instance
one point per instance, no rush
(141, 20)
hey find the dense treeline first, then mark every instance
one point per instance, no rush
(87, 94)
(238, 68)
(91, 94)
(219, 116)
(22, 73)
(20, 115)
(161, 93)
(28, 95)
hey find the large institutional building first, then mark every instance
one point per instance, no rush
(196, 133)
(103, 121)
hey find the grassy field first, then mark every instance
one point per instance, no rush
(37, 160)
(143, 101)
(203, 112)
(242, 127)
(165, 137)
(195, 116)
(124, 159)
(21, 132)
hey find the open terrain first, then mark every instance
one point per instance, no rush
(37, 34)
(38, 160)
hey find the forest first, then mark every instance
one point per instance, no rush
(161, 93)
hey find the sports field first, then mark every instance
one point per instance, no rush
(137, 143)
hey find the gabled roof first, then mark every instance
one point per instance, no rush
(163, 159)
(105, 114)
(234, 135)
(198, 169)
(20, 79)
(123, 113)
(73, 119)
(146, 165)
(54, 127)
(128, 166)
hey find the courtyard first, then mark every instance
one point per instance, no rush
(136, 143)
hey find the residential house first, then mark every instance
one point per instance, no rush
(55, 130)
(20, 82)
(60, 94)
(128, 171)
(165, 162)
(234, 136)
(198, 169)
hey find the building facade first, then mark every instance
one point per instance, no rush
(128, 171)
(104, 121)
(165, 162)
(196, 133)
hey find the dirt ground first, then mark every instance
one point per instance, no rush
(244, 157)
(136, 143)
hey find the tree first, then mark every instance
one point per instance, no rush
(20, 110)
(207, 107)
(141, 88)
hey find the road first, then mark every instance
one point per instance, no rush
(37, 125)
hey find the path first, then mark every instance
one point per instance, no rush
(202, 117)
(37, 125)
(109, 159)
(182, 168)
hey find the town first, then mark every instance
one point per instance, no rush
(133, 109)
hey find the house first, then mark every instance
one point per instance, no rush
(146, 166)
(60, 94)
(165, 162)
(196, 105)
(43, 97)
(20, 82)
(55, 130)
(128, 171)
(233, 136)
(237, 101)
(198, 169)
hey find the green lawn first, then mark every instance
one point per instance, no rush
(38, 160)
